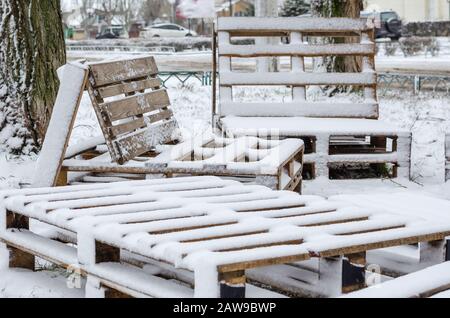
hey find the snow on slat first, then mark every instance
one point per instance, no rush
(308, 109)
(237, 242)
(297, 49)
(302, 126)
(418, 284)
(300, 78)
(57, 252)
(297, 24)
(121, 185)
(128, 279)
(372, 158)
(427, 231)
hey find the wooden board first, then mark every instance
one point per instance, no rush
(106, 73)
(292, 24)
(72, 83)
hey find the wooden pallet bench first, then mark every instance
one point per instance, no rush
(140, 135)
(275, 164)
(430, 282)
(336, 133)
(330, 142)
(216, 229)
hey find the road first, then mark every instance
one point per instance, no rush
(202, 61)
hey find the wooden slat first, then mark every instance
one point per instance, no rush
(136, 105)
(140, 122)
(296, 79)
(105, 73)
(263, 262)
(307, 109)
(384, 244)
(143, 141)
(289, 24)
(127, 127)
(126, 88)
(248, 51)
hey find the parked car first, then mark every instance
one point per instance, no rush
(387, 24)
(112, 32)
(167, 30)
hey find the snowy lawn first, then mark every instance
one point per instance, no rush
(427, 115)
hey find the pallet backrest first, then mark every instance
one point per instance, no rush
(303, 35)
(132, 108)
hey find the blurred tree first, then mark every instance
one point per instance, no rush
(151, 9)
(31, 49)
(295, 8)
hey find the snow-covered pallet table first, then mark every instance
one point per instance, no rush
(275, 164)
(433, 281)
(199, 236)
(336, 133)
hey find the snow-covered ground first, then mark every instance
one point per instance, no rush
(427, 115)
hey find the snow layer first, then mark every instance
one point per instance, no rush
(409, 286)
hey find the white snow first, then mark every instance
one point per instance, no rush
(409, 286)
(301, 126)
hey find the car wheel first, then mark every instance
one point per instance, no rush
(394, 26)
(189, 35)
(156, 36)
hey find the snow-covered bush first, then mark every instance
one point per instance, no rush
(411, 46)
(390, 48)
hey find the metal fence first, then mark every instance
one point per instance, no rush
(386, 81)
(120, 48)
(413, 83)
(205, 78)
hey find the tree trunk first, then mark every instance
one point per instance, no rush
(339, 8)
(31, 49)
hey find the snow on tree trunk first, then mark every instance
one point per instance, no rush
(31, 49)
(339, 8)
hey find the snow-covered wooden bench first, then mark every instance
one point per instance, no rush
(140, 131)
(142, 238)
(433, 281)
(336, 133)
(447, 155)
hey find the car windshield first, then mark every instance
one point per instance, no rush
(388, 15)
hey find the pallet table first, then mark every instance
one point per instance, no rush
(276, 164)
(216, 229)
